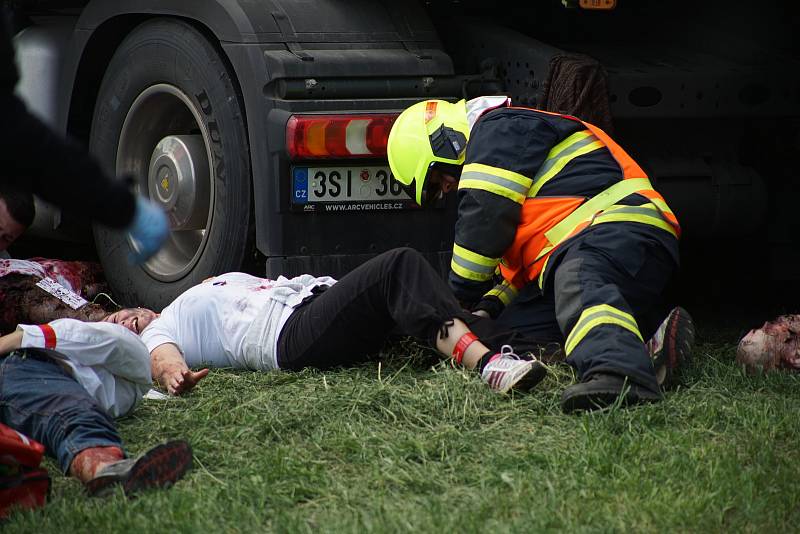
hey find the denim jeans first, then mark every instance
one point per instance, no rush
(41, 399)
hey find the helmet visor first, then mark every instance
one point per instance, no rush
(431, 193)
(433, 184)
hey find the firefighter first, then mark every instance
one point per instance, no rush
(561, 213)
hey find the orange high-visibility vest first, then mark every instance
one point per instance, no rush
(527, 256)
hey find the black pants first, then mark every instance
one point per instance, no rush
(616, 269)
(395, 291)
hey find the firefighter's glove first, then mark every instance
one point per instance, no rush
(148, 231)
(490, 305)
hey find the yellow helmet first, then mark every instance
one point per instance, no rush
(425, 133)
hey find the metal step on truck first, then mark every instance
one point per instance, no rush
(260, 126)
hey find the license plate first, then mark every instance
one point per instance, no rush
(370, 188)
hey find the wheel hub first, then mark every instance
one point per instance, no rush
(178, 180)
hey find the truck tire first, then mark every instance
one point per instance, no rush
(169, 116)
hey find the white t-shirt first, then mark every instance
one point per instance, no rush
(107, 359)
(209, 322)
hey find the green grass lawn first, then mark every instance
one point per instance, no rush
(414, 445)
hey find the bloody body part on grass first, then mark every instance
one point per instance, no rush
(776, 345)
(34, 305)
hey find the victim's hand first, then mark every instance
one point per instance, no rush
(180, 382)
(169, 369)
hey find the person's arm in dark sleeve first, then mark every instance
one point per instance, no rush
(496, 299)
(51, 166)
(58, 170)
(504, 152)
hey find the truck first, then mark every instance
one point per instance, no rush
(260, 126)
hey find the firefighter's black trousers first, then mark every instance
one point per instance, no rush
(614, 270)
(395, 292)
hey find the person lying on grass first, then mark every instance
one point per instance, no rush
(241, 321)
(62, 383)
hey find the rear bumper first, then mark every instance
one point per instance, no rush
(337, 265)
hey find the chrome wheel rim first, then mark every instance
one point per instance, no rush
(164, 147)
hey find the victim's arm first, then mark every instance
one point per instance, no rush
(10, 342)
(170, 370)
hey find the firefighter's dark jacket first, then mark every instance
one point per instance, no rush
(56, 169)
(519, 140)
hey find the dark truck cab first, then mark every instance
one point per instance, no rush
(252, 122)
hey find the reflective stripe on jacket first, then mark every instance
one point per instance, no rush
(548, 221)
(503, 182)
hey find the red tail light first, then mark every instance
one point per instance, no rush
(338, 136)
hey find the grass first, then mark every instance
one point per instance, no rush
(414, 445)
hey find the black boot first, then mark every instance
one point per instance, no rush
(601, 390)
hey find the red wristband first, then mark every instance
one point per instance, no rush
(461, 346)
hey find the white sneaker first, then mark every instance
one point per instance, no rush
(507, 370)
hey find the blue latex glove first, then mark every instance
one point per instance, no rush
(148, 231)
